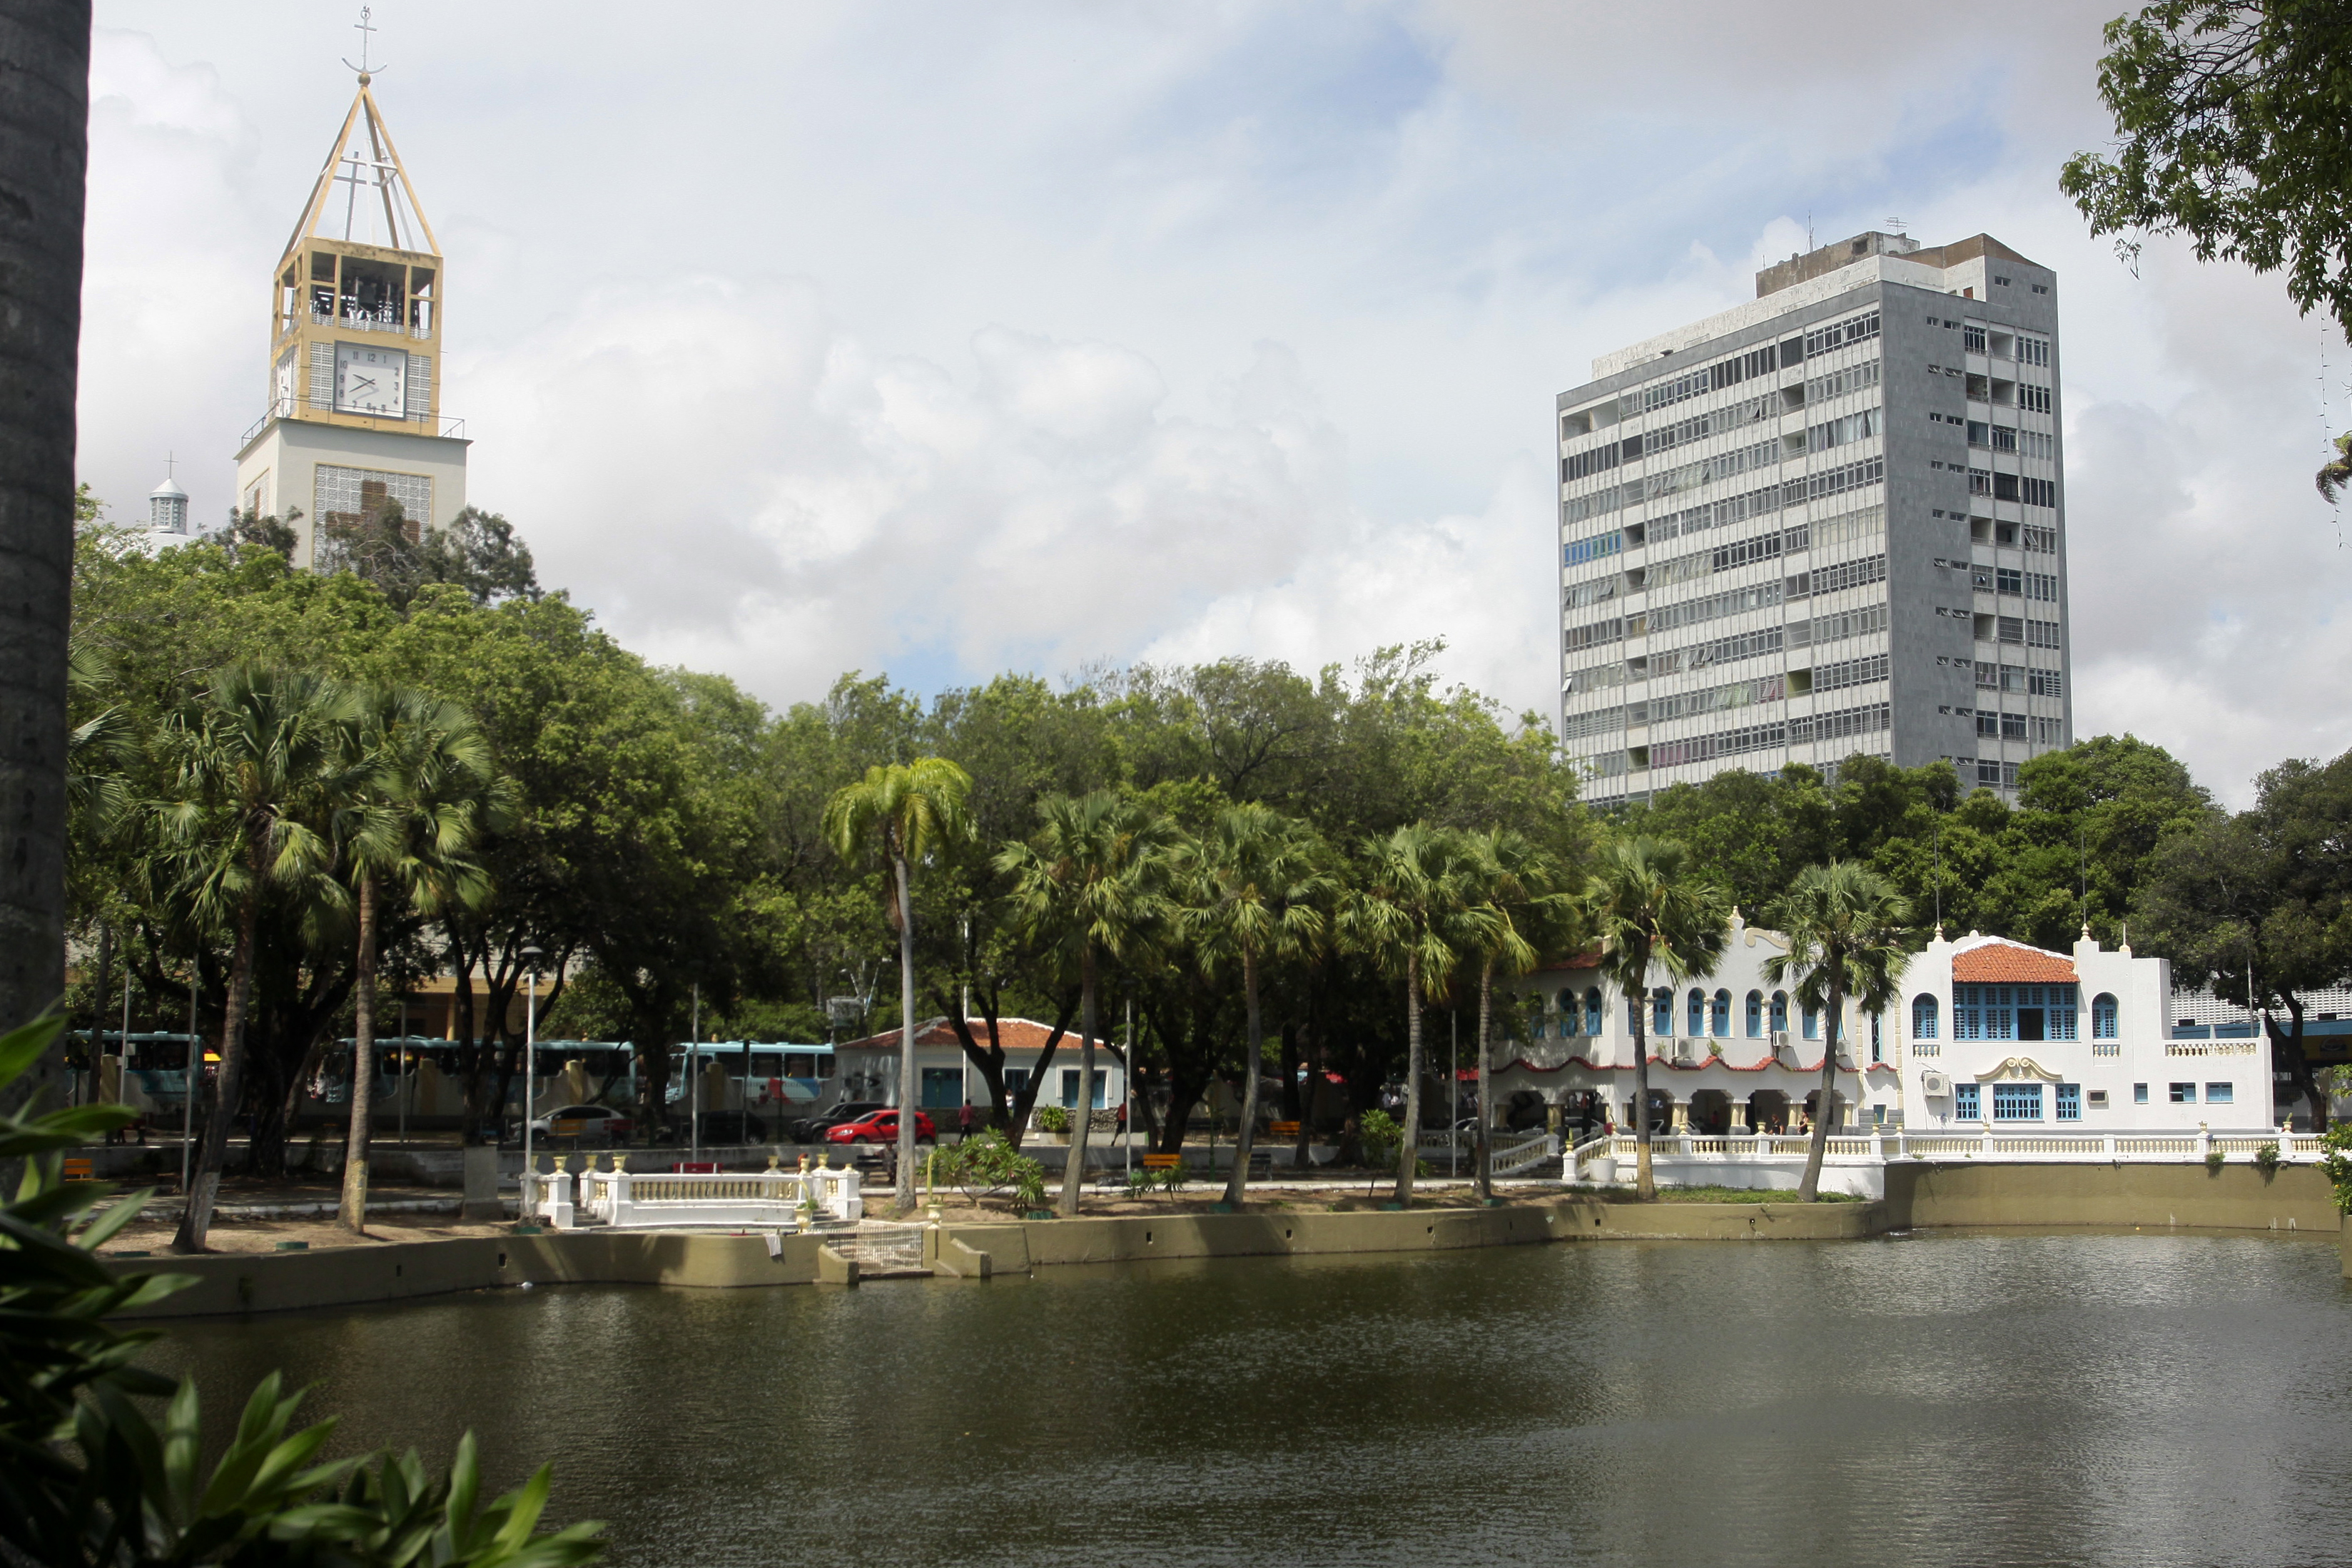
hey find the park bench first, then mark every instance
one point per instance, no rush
(565, 1127)
(1162, 1162)
(1282, 1130)
(81, 1168)
(694, 1168)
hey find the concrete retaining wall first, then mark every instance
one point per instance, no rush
(2235, 1198)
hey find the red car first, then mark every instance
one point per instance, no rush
(880, 1127)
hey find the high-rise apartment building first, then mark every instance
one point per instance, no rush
(1827, 522)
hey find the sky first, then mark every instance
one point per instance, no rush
(941, 340)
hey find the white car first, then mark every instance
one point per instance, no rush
(587, 1123)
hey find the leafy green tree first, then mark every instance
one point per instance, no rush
(427, 794)
(1255, 885)
(899, 814)
(1092, 880)
(1415, 911)
(2256, 906)
(260, 765)
(1658, 917)
(2231, 127)
(1846, 926)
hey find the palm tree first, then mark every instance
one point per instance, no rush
(1091, 879)
(260, 761)
(1256, 884)
(1414, 914)
(1659, 918)
(1845, 928)
(426, 796)
(1513, 882)
(902, 813)
(2336, 473)
(45, 99)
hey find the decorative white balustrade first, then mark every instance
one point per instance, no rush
(1881, 1144)
(635, 1200)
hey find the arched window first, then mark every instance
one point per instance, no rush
(2103, 1017)
(1662, 1012)
(1922, 1016)
(1719, 1025)
(1779, 1012)
(1755, 1015)
(1592, 1010)
(1812, 1023)
(1697, 1011)
(1568, 1014)
(1876, 1049)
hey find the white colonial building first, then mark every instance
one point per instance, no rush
(1988, 1034)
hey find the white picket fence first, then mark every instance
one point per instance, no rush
(634, 1200)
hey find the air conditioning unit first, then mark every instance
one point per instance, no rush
(1781, 1043)
(1935, 1085)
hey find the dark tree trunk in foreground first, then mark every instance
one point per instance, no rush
(44, 149)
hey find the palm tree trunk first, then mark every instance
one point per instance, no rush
(1825, 1106)
(355, 1145)
(44, 145)
(1237, 1184)
(203, 1177)
(1082, 1116)
(909, 1079)
(1409, 1151)
(1483, 1163)
(1645, 1186)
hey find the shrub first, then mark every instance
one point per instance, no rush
(1053, 1119)
(1141, 1183)
(2267, 1157)
(2336, 1165)
(2213, 1161)
(1174, 1177)
(1380, 1135)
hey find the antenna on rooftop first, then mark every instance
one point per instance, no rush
(364, 26)
(1895, 225)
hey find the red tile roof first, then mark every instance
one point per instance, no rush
(1998, 963)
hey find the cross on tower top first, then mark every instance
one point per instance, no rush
(364, 26)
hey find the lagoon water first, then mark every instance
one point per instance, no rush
(1933, 1399)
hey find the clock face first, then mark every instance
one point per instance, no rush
(371, 381)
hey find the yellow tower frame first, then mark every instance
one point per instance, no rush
(327, 291)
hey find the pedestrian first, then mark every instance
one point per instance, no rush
(964, 1120)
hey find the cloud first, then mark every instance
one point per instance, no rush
(937, 339)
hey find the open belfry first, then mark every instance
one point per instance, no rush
(354, 418)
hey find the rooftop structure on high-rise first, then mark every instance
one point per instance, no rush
(1826, 522)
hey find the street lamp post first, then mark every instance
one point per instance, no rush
(530, 955)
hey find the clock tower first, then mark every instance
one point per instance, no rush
(355, 315)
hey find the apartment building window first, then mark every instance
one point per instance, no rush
(1922, 1016)
(1973, 338)
(2010, 581)
(2041, 540)
(1979, 433)
(1593, 1011)
(2221, 1093)
(2048, 732)
(1988, 723)
(2011, 628)
(2004, 438)
(1755, 1015)
(1779, 1012)
(2041, 585)
(2012, 726)
(2041, 634)
(2139, 1093)
(2013, 678)
(1662, 1011)
(2035, 400)
(2034, 350)
(2038, 492)
(2046, 684)
(1988, 676)
(2017, 1101)
(1697, 1011)
(2004, 488)
(2184, 1093)
(1966, 1104)
(2070, 1102)
(1979, 482)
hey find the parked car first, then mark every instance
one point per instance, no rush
(812, 1129)
(587, 1123)
(881, 1127)
(733, 1127)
